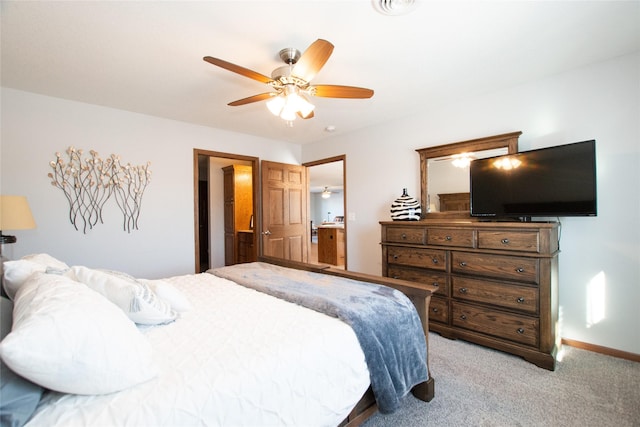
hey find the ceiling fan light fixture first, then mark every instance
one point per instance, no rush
(288, 114)
(276, 104)
(301, 105)
(289, 103)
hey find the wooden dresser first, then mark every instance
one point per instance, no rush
(497, 281)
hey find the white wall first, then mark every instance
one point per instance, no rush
(35, 127)
(601, 102)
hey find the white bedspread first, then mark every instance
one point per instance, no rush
(238, 358)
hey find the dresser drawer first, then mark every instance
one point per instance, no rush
(517, 328)
(463, 238)
(439, 310)
(426, 258)
(526, 241)
(521, 298)
(499, 266)
(427, 277)
(409, 235)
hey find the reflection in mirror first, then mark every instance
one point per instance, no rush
(444, 188)
(449, 179)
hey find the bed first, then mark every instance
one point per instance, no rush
(202, 349)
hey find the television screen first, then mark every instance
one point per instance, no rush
(554, 181)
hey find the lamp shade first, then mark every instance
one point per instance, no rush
(15, 213)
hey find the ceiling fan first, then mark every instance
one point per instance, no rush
(292, 82)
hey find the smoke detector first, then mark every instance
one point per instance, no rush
(394, 7)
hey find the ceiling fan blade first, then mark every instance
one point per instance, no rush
(336, 91)
(309, 116)
(312, 60)
(238, 69)
(254, 98)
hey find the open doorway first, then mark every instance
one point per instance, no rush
(327, 207)
(215, 242)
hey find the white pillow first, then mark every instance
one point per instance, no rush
(16, 274)
(68, 338)
(137, 300)
(169, 293)
(47, 261)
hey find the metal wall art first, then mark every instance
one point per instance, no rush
(89, 183)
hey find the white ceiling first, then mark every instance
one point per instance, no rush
(146, 56)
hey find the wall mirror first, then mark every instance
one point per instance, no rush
(444, 173)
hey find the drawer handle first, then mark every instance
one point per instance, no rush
(505, 241)
(519, 270)
(463, 290)
(394, 277)
(520, 300)
(463, 317)
(436, 284)
(435, 260)
(404, 236)
(447, 238)
(463, 264)
(435, 310)
(395, 257)
(520, 331)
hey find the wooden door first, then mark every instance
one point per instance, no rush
(284, 211)
(238, 207)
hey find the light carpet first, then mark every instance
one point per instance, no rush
(477, 386)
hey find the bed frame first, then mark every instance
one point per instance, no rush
(419, 296)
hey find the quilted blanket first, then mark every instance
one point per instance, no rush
(384, 320)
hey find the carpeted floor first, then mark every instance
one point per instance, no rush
(477, 386)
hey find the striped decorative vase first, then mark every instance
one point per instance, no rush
(405, 208)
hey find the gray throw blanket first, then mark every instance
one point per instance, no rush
(384, 320)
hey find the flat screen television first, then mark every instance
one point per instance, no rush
(549, 182)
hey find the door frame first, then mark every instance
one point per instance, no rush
(255, 173)
(343, 158)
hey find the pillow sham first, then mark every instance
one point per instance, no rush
(136, 299)
(68, 338)
(47, 261)
(169, 293)
(18, 397)
(16, 273)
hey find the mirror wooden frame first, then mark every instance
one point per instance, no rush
(507, 140)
